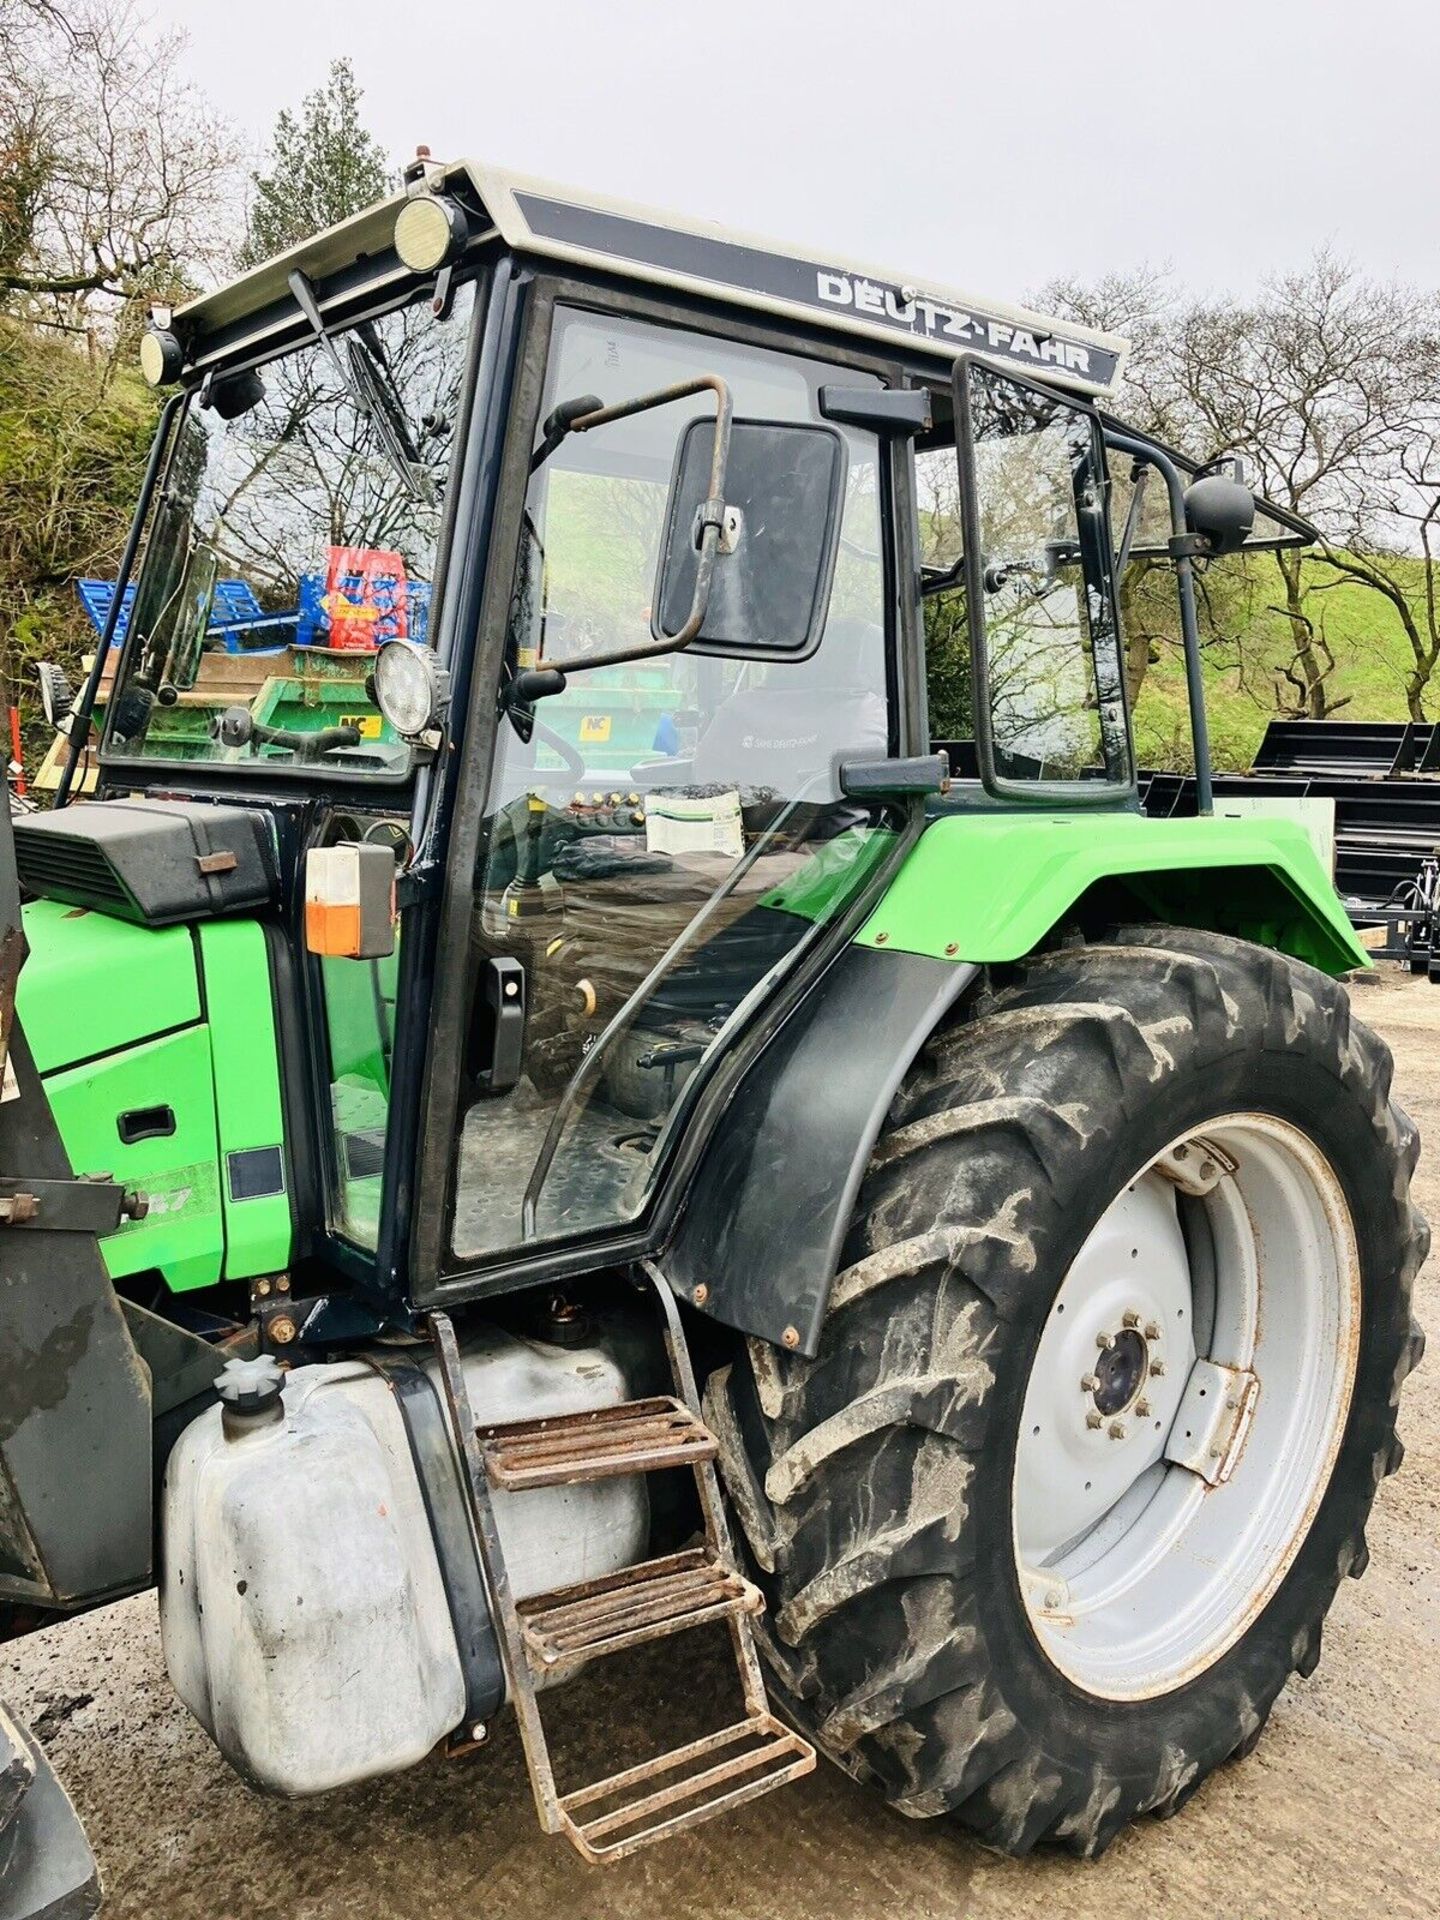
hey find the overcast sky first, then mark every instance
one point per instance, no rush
(984, 146)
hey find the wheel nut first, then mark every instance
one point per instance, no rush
(1152, 1331)
(1157, 1369)
(1116, 1429)
(1142, 1407)
(1089, 1383)
(1054, 1597)
(1092, 1419)
(1105, 1340)
(1132, 1319)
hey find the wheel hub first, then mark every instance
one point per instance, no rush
(1126, 1302)
(1121, 1371)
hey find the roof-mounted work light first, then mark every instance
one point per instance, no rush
(162, 358)
(430, 231)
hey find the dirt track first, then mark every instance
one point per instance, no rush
(1336, 1813)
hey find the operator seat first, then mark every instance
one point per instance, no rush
(779, 737)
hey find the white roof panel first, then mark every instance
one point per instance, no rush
(667, 250)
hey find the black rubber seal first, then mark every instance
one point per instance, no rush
(438, 1471)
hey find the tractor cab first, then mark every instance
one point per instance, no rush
(578, 561)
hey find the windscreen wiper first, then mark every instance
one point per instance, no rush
(372, 366)
(364, 381)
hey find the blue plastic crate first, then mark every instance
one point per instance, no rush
(235, 614)
(312, 623)
(418, 608)
(95, 598)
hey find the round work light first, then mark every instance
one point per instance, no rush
(429, 231)
(161, 357)
(412, 689)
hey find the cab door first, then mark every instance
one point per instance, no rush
(672, 835)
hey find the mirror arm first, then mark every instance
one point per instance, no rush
(1181, 553)
(559, 424)
(711, 517)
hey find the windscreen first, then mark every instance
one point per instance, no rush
(287, 543)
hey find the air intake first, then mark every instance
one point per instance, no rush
(153, 862)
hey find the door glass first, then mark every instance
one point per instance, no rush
(1041, 585)
(358, 999)
(360, 1016)
(673, 833)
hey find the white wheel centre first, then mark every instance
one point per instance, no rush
(1185, 1406)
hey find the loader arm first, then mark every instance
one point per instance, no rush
(74, 1433)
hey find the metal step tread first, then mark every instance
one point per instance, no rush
(769, 1755)
(645, 1602)
(639, 1436)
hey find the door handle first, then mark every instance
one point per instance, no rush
(500, 1024)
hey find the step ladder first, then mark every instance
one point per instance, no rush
(549, 1636)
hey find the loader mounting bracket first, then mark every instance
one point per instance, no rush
(65, 1206)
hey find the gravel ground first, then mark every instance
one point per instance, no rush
(1337, 1811)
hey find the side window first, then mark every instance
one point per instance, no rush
(948, 683)
(1042, 585)
(672, 833)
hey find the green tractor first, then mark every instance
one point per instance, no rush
(627, 1125)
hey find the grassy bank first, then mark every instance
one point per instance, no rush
(1372, 659)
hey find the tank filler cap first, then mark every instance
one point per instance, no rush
(250, 1391)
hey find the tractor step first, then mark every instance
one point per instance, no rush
(753, 1757)
(641, 1436)
(639, 1604)
(547, 1636)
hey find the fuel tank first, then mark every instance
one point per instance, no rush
(304, 1606)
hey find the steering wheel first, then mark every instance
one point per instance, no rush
(574, 764)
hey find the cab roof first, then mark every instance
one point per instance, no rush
(355, 262)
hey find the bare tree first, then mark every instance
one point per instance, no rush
(113, 170)
(1325, 383)
(1144, 308)
(1393, 548)
(1321, 383)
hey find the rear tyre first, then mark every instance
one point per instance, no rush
(982, 1597)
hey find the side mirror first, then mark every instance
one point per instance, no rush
(1221, 511)
(769, 590)
(584, 415)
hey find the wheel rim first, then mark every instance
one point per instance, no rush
(1186, 1405)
